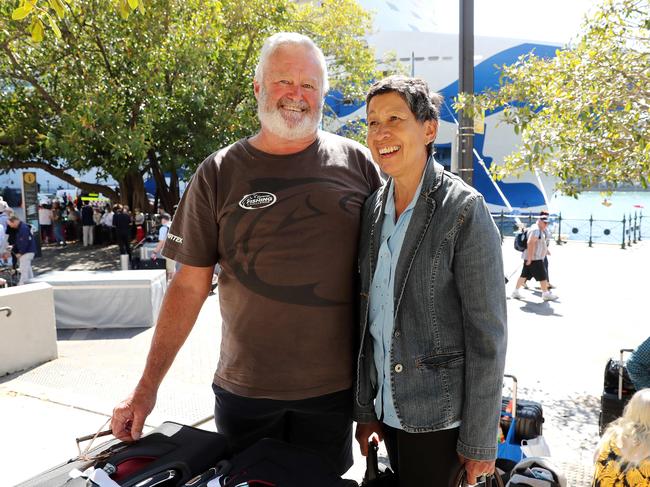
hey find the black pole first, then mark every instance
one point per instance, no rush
(466, 85)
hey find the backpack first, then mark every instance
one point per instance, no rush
(537, 472)
(521, 240)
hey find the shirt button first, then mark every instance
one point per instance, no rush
(399, 368)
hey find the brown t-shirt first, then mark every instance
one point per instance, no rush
(285, 230)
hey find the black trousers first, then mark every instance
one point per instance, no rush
(124, 242)
(322, 424)
(423, 459)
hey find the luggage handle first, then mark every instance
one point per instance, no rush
(487, 480)
(514, 394)
(620, 372)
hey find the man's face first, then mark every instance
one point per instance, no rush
(290, 98)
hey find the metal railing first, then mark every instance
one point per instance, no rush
(627, 231)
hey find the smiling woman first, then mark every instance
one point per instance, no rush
(430, 364)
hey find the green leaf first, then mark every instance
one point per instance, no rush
(125, 11)
(133, 4)
(22, 12)
(38, 31)
(58, 7)
(55, 28)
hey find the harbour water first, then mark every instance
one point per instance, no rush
(591, 216)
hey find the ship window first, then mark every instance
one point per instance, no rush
(434, 58)
(419, 58)
(447, 58)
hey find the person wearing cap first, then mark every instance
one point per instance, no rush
(165, 220)
(533, 258)
(24, 248)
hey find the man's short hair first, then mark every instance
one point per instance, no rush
(165, 216)
(423, 103)
(271, 44)
(13, 218)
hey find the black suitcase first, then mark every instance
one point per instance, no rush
(617, 391)
(276, 463)
(530, 419)
(169, 456)
(137, 263)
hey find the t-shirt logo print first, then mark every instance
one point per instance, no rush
(256, 201)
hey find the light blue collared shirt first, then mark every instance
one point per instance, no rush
(382, 311)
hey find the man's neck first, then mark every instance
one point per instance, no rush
(270, 143)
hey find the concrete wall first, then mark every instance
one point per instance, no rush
(28, 335)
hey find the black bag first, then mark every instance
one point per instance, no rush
(172, 452)
(618, 389)
(530, 419)
(611, 378)
(274, 462)
(375, 477)
(521, 240)
(137, 263)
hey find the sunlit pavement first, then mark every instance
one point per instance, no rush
(557, 351)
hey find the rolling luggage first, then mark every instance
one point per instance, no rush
(271, 462)
(520, 420)
(170, 455)
(617, 391)
(529, 414)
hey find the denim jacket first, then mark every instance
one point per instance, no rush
(449, 336)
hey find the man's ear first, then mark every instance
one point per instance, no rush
(256, 89)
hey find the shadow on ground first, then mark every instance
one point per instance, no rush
(98, 334)
(77, 257)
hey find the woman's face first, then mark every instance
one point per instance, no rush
(396, 139)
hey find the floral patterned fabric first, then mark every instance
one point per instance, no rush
(611, 471)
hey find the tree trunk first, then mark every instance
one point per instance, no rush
(168, 195)
(132, 192)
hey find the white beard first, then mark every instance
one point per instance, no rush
(285, 123)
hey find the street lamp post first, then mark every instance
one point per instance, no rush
(466, 85)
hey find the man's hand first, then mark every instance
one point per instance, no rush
(129, 415)
(476, 468)
(364, 432)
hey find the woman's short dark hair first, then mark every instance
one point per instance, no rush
(424, 104)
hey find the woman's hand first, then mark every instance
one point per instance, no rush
(363, 433)
(476, 468)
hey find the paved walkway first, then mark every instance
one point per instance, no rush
(557, 350)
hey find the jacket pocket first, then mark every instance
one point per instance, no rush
(440, 360)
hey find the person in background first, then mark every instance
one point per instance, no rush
(122, 226)
(638, 366)
(433, 308)
(623, 455)
(57, 222)
(73, 224)
(45, 222)
(106, 225)
(87, 224)
(165, 221)
(24, 248)
(138, 219)
(533, 258)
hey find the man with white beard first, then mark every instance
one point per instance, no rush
(279, 211)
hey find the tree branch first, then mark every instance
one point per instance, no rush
(31, 80)
(61, 174)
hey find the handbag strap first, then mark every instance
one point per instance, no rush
(493, 480)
